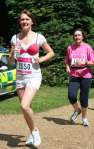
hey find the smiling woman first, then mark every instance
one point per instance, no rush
(80, 74)
(26, 45)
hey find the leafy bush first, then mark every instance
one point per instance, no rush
(55, 74)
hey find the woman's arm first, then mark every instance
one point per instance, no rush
(67, 67)
(11, 55)
(67, 61)
(49, 53)
(89, 63)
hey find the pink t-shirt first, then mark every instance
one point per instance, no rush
(84, 52)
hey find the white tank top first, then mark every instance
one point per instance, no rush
(26, 55)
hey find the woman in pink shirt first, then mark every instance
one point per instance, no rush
(77, 57)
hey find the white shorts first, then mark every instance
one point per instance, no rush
(33, 82)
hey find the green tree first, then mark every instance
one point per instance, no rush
(56, 20)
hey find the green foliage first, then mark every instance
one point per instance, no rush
(2, 43)
(56, 20)
(55, 74)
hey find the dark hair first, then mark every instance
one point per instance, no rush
(29, 14)
(82, 31)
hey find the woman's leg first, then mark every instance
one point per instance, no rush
(27, 88)
(84, 93)
(26, 100)
(26, 95)
(74, 85)
(20, 92)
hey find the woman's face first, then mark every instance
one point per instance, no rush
(25, 22)
(78, 37)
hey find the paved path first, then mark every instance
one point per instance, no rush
(55, 129)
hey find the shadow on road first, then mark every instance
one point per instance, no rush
(8, 96)
(14, 141)
(60, 121)
(90, 108)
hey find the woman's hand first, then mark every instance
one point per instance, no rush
(68, 69)
(38, 60)
(90, 63)
(81, 62)
(35, 60)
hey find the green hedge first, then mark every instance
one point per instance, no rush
(55, 74)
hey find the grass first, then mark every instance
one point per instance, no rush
(46, 98)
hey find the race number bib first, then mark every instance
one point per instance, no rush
(74, 61)
(24, 65)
